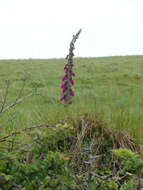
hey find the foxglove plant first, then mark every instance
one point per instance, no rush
(67, 80)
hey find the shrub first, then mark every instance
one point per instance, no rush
(43, 167)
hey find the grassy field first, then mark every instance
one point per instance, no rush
(111, 87)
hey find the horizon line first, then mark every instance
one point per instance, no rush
(30, 58)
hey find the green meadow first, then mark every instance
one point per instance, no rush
(111, 87)
(42, 139)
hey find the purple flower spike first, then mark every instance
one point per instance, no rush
(65, 67)
(66, 71)
(64, 90)
(73, 74)
(70, 100)
(62, 98)
(63, 85)
(64, 78)
(72, 93)
(72, 82)
(67, 80)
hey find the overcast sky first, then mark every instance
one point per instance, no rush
(44, 28)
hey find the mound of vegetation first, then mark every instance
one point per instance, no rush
(58, 158)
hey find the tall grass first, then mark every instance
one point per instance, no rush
(110, 86)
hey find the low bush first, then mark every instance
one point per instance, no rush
(55, 159)
(43, 167)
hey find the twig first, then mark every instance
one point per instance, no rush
(89, 162)
(17, 142)
(102, 177)
(21, 90)
(78, 182)
(26, 129)
(16, 102)
(5, 96)
(17, 186)
(9, 120)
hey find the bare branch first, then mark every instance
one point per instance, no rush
(26, 129)
(78, 182)
(4, 98)
(9, 120)
(16, 102)
(21, 90)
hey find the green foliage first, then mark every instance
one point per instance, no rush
(110, 185)
(132, 168)
(130, 185)
(131, 162)
(45, 167)
(111, 87)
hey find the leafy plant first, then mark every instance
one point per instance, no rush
(131, 161)
(132, 168)
(43, 167)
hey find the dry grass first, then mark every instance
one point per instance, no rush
(103, 139)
